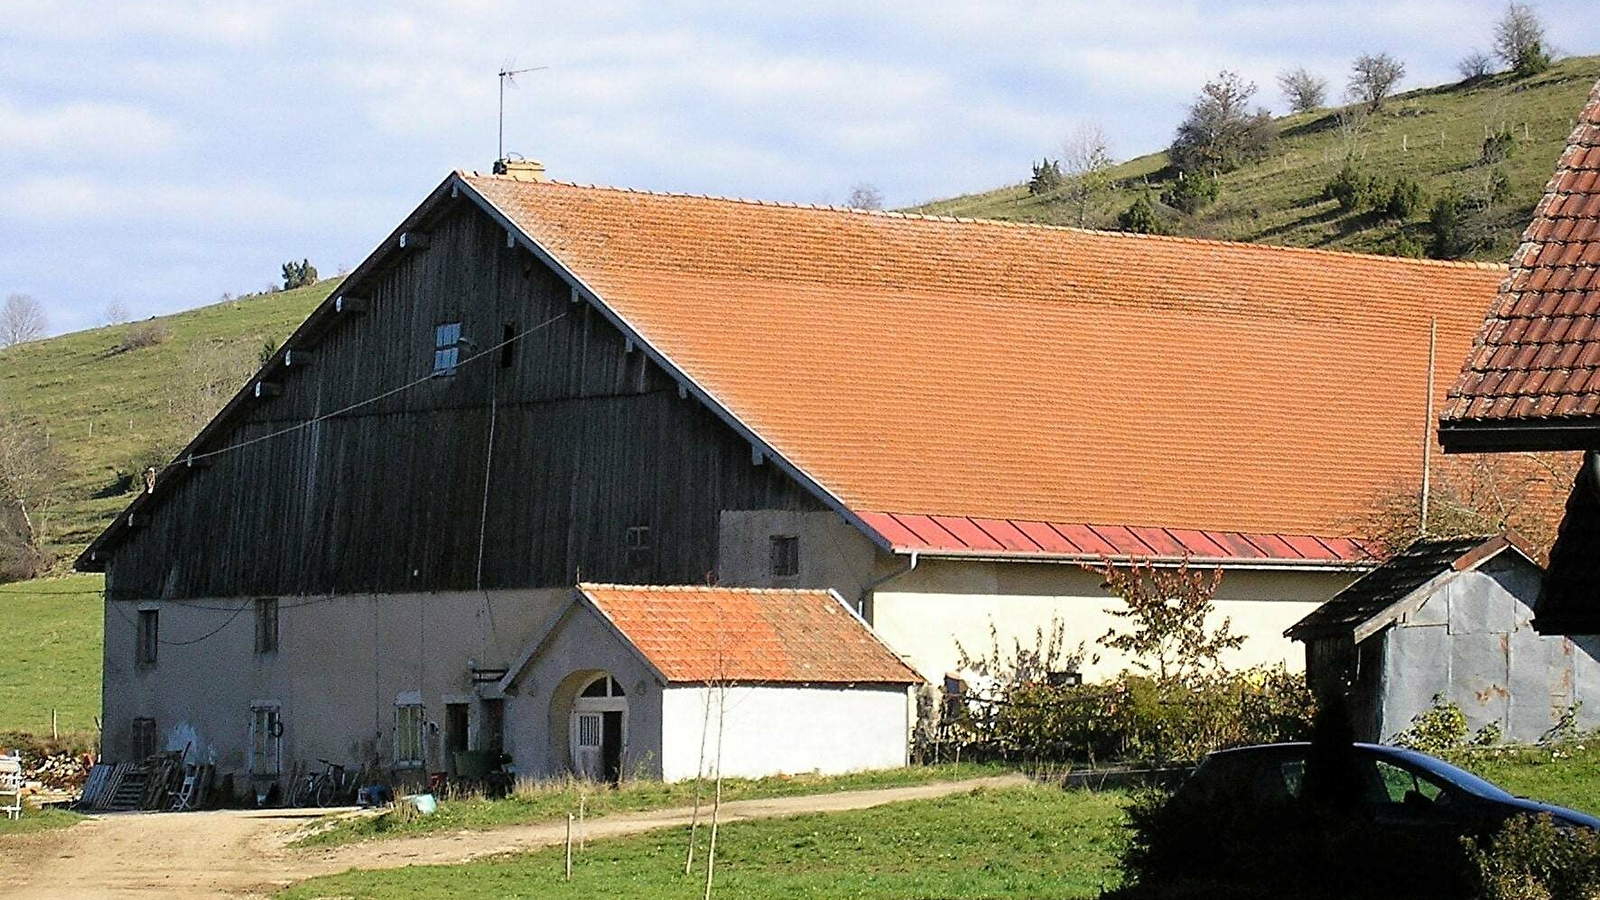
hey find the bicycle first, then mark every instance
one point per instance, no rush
(321, 788)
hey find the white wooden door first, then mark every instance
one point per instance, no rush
(587, 730)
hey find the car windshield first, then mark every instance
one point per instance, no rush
(1458, 778)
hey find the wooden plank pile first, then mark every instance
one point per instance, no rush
(153, 783)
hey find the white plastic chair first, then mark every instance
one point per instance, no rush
(11, 786)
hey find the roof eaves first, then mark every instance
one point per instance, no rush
(1162, 560)
(915, 678)
(587, 292)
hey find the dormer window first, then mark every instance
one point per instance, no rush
(446, 348)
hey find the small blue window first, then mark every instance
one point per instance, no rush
(446, 348)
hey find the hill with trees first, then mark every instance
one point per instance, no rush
(1452, 171)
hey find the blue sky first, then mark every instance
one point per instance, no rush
(161, 153)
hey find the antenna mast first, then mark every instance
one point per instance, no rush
(1427, 429)
(508, 75)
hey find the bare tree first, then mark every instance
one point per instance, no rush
(1475, 65)
(30, 471)
(1220, 131)
(1519, 40)
(115, 314)
(864, 196)
(21, 320)
(1373, 77)
(1302, 90)
(1086, 163)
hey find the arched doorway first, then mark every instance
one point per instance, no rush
(599, 730)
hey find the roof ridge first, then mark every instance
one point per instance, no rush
(1005, 223)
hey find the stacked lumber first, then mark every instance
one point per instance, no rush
(153, 783)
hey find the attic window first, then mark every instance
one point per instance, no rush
(784, 558)
(638, 548)
(446, 348)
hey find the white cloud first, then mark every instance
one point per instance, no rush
(80, 129)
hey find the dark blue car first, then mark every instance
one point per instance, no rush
(1353, 819)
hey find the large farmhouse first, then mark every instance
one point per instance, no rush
(1532, 379)
(533, 384)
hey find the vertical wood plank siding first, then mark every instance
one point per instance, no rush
(588, 441)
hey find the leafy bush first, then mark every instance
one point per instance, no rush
(1408, 245)
(1221, 132)
(1137, 717)
(1353, 189)
(1439, 728)
(1047, 177)
(1141, 218)
(1448, 222)
(1405, 199)
(1535, 858)
(1497, 148)
(145, 334)
(1191, 192)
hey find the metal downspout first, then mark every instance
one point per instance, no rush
(874, 584)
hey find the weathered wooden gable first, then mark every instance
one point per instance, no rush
(549, 453)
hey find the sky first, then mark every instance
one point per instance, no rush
(161, 153)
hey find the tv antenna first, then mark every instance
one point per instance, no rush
(509, 75)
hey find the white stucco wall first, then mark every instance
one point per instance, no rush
(772, 730)
(341, 664)
(924, 614)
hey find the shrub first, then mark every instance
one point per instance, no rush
(1497, 148)
(145, 334)
(1141, 218)
(1407, 245)
(1405, 199)
(1519, 40)
(1353, 189)
(1447, 219)
(1435, 730)
(1191, 192)
(1535, 858)
(298, 274)
(1475, 65)
(1221, 132)
(1047, 177)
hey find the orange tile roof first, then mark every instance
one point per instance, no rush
(935, 366)
(1537, 357)
(701, 634)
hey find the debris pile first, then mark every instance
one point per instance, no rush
(59, 771)
(161, 782)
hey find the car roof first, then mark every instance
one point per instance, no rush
(1459, 777)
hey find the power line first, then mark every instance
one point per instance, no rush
(300, 426)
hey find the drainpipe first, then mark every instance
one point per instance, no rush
(874, 584)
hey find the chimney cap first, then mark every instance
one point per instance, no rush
(521, 169)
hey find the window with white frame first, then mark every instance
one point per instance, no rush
(446, 348)
(409, 727)
(266, 739)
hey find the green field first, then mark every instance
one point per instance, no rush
(105, 408)
(1016, 843)
(1434, 136)
(543, 802)
(52, 654)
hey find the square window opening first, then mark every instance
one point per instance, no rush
(639, 548)
(446, 348)
(143, 738)
(409, 727)
(149, 636)
(266, 625)
(784, 556)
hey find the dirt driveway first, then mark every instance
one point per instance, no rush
(186, 856)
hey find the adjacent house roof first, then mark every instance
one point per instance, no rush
(707, 634)
(934, 367)
(1532, 381)
(1383, 595)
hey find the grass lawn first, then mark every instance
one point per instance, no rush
(538, 803)
(1568, 775)
(52, 656)
(37, 820)
(1029, 842)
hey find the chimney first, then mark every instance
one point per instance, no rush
(521, 169)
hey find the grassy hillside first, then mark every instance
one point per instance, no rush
(1434, 136)
(52, 654)
(107, 409)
